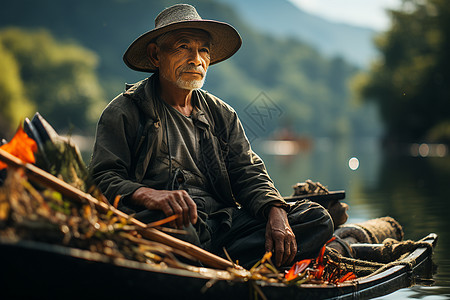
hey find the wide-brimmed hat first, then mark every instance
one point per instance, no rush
(225, 40)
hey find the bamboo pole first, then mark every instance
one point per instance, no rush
(42, 177)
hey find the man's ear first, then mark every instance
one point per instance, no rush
(153, 54)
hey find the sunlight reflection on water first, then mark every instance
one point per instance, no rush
(353, 163)
(413, 189)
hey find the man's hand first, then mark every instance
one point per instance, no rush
(170, 202)
(280, 238)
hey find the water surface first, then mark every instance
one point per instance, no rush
(412, 189)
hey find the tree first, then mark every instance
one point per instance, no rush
(310, 88)
(57, 78)
(15, 105)
(410, 82)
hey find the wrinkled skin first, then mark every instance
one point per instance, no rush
(280, 238)
(170, 203)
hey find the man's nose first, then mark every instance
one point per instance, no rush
(195, 57)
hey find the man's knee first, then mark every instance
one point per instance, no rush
(309, 214)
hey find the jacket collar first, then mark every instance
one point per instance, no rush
(200, 116)
(146, 96)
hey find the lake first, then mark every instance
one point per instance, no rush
(411, 187)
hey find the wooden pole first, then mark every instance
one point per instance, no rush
(42, 177)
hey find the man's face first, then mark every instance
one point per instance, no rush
(184, 57)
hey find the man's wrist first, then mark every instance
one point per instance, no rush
(277, 211)
(137, 196)
(282, 206)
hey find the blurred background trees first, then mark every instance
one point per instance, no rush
(67, 81)
(70, 68)
(13, 101)
(56, 78)
(410, 81)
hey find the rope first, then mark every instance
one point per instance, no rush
(392, 248)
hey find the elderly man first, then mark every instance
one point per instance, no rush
(166, 147)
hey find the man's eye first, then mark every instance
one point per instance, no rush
(183, 46)
(206, 50)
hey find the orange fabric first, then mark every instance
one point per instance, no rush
(21, 146)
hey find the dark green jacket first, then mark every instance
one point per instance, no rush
(129, 133)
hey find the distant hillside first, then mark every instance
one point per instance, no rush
(272, 78)
(281, 17)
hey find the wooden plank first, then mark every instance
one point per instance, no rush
(322, 199)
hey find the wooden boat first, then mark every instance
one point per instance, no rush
(34, 270)
(38, 270)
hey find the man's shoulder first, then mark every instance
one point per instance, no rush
(120, 106)
(120, 102)
(214, 102)
(134, 89)
(131, 91)
(130, 99)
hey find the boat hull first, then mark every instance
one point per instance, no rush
(42, 271)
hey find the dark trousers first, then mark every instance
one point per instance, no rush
(243, 236)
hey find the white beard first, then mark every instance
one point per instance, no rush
(190, 84)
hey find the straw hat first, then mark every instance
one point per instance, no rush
(225, 40)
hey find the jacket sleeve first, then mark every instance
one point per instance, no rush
(252, 185)
(111, 161)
